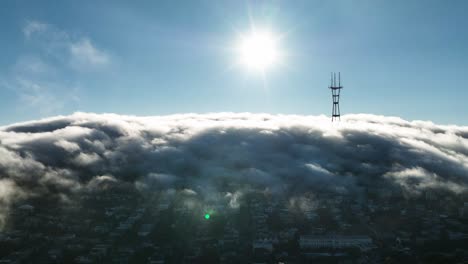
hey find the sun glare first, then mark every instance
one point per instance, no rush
(258, 50)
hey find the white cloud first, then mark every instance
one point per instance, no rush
(101, 182)
(86, 159)
(417, 179)
(234, 199)
(68, 146)
(45, 78)
(317, 168)
(78, 51)
(9, 191)
(33, 66)
(31, 27)
(84, 55)
(36, 96)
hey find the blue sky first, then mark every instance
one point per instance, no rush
(399, 58)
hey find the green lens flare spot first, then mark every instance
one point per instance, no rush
(207, 216)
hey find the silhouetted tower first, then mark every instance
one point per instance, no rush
(335, 95)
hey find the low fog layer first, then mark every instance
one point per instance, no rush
(63, 156)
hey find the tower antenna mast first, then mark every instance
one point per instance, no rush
(335, 95)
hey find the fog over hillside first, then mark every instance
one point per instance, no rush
(64, 156)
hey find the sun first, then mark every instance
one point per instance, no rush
(258, 50)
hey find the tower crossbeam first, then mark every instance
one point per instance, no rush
(335, 88)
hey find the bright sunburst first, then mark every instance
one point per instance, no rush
(258, 50)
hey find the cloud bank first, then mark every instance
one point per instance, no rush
(225, 152)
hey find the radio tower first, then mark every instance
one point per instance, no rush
(335, 95)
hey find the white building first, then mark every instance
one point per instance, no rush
(362, 242)
(266, 244)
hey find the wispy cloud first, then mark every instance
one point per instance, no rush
(79, 51)
(33, 95)
(32, 65)
(85, 55)
(32, 27)
(38, 88)
(45, 78)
